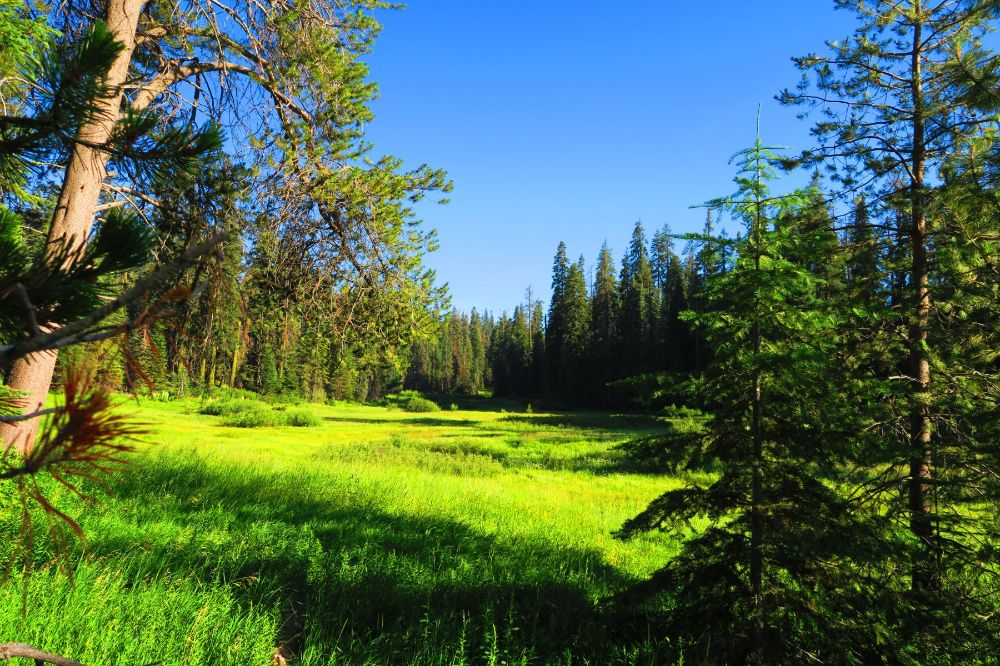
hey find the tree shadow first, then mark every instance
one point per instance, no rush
(362, 583)
(419, 420)
(592, 421)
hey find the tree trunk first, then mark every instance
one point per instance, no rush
(757, 454)
(920, 373)
(211, 367)
(234, 367)
(75, 210)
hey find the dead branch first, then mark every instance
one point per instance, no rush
(24, 651)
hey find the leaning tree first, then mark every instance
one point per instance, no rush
(286, 81)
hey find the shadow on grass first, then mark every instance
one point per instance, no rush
(405, 420)
(592, 421)
(362, 584)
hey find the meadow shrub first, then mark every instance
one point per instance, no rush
(301, 418)
(284, 399)
(682, 412)
(228, 407)
(256, 417)
(411, 401)
(419, 404)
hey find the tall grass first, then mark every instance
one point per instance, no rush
(378, 537)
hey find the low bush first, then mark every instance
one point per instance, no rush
(682, 412)
(301, 418)
(419, 404)
(411, 401)
(257, 417)
(227, 407)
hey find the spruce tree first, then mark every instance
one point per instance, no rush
(555, 327)
(665, 265)
(604, 322)
(574, 370)
(762, 581)
(637, 303)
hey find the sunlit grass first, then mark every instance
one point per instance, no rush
(377, 537)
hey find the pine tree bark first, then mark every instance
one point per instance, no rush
(921, 524)
(75, 210)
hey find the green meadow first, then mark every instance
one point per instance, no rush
(472, 536)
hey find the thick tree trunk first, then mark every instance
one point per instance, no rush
(921, 524)
(75, 210)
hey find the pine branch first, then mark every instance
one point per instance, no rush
(77, 331)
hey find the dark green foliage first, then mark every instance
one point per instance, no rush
(764, 580)
(639, 307)
(915, 323)
(412, 401)
(454, 361)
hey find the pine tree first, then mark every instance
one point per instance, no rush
(604, 322)
(901, 98)
(71, 84)
(574, 368)
(555, 327)
(666, 271)
(762, 582)
(478, 342)
(637, 303)
(862, 267)
(539, 355)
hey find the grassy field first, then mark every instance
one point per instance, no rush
(377, 537)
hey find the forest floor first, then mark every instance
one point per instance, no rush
(378, 537)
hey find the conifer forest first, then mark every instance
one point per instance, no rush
(255, 409)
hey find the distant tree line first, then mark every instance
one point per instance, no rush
(612, 337)
(622, 323)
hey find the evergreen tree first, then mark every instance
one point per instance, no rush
(604, 321)
(539, 355)
(902, 98)
(762, 582)
(574, 369)
(555, 327)
(637, 303)
(863, 270)
(477, 342)
(666, 271)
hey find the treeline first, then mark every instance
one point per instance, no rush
(614, 339)
(624, 323)
(456, 359)
(610, 337)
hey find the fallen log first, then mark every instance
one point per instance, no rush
(11, 650)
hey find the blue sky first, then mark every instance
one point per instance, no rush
(571, 120)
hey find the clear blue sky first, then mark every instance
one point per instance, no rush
(571, 120)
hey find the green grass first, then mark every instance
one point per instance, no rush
(377, 537)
